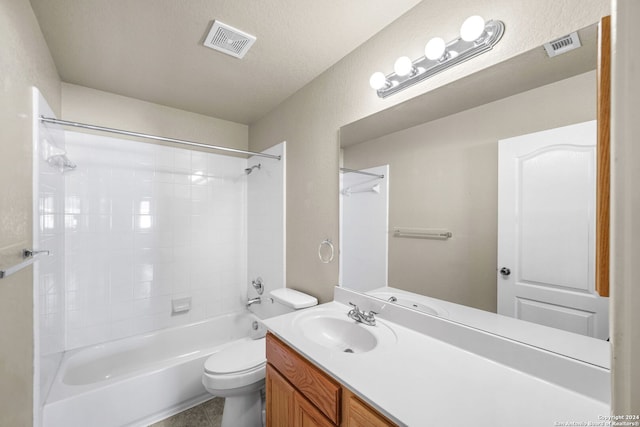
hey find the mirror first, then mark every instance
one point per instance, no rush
(432, 165)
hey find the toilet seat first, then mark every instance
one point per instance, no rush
(235, 367)
(237, 358)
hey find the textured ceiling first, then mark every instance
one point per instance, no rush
(152, 49)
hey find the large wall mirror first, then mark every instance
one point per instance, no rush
(425, 215)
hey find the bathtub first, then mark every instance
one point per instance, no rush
(139, 380)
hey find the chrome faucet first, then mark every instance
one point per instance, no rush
(368, 318)
(256, 300)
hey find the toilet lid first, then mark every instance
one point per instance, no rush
(239, 357)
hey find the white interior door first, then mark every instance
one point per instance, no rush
(546, 230)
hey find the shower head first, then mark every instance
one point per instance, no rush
(249, 170)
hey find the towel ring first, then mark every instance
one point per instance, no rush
(324, 259)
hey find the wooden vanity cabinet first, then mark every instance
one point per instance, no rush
(301, 395)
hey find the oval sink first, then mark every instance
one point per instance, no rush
(337, 332)
(340, 334)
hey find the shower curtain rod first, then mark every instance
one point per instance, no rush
(154, 137)
(361, 172)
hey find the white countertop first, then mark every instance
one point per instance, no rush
(423, 381)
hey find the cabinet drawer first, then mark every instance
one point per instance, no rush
(321, 390)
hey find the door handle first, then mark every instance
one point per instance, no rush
(505, 271)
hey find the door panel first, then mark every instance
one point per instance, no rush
(572, 320)
(546, 230)
(553, 233)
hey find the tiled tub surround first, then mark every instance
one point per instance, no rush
(145, 224)
(139, 380)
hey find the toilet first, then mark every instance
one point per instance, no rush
(237, 372)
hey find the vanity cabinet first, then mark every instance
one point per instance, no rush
(301, 395)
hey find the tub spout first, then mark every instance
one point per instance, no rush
(251, 301)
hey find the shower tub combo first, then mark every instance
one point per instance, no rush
(139, 380)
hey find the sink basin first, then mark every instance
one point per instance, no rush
(335, 331)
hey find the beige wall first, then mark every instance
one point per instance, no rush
(85, 105)
(444, 174)
(625, 211)
(309, 120)
(24, 62)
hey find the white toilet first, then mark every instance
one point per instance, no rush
(237, 373)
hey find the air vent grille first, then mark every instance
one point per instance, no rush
(229, 40)
(562, 45)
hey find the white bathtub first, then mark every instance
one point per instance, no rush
(139, 380)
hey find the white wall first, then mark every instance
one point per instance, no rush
(146, 224)
(625, 226)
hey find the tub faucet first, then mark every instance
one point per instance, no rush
(368, 318)
(251, 301)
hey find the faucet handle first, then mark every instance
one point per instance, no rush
(353, 305)
(369, 315)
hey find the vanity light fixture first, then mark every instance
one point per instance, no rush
(476, 37)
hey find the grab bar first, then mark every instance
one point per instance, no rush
(29, 257)
(423, 233)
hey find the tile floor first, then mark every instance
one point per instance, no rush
(207, 414)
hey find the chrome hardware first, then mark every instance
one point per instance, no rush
(28, 253)
(392, 299)
(15, 268)
(256, 300)
(326, 259)
(154, 137)
(28, 256)
(257, 285)
(505, 271)
(368, 318)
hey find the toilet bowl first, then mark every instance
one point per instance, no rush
(237, 372)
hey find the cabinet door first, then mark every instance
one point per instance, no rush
(307, 415)
(315, 385)
(280, 403)
(359, 414)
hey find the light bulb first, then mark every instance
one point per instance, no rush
(378, 80)
(403, 66)
(435, 49)
(472, 28)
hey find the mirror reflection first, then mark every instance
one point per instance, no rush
(486, 204)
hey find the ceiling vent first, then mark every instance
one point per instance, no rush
(229, 40)
(562, 45)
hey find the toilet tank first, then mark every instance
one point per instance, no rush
(292, 299)
(282, 301)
